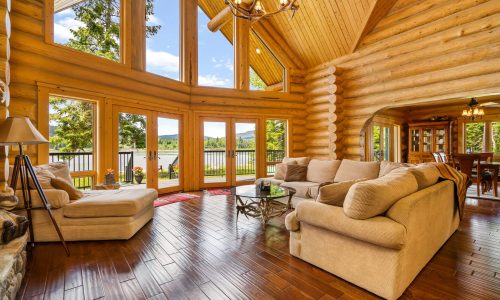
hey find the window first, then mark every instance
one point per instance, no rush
(163, 38)
(495, 137)
(90, 26)
(266, 72)
(276, 135)
(215, 54)
(474, 137)
(71, 137)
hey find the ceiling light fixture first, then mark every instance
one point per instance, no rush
(473, 110)
(253, 10)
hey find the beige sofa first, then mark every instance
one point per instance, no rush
(98, 215)
(382, 251)
(323, 172)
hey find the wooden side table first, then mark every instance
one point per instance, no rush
(101, 187)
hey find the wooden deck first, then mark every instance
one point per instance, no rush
(195, 250)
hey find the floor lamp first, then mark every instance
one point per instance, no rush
(20, 131)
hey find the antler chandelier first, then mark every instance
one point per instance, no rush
(253, 10)
(473, 110)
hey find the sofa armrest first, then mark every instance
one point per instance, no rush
(56, 198)
(291, 222)
(380, 230)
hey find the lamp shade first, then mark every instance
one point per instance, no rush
(15, 130)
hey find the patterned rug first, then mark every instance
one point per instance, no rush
(173, 198)
(219, 191)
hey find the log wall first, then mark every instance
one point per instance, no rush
(37, 63)
(5, 32)
(418, 54)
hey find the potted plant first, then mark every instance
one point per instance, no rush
(109, 178)
(138, 174)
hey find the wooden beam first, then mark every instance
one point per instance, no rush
(377, 11)
(189, 42)
(241, 57)
(220, 19)
(138, 35)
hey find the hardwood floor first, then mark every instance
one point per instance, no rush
(195, 250)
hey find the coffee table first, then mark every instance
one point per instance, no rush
(251, 201)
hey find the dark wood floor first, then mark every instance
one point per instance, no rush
(195, 250)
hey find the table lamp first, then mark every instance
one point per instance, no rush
(20, 131)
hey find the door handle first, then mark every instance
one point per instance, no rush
(234, 154)
(150, 155)
(154, 156)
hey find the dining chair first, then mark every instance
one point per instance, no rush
(444, 157)
(437, 157)
(466, 163)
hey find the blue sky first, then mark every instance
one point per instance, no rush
(216, 58)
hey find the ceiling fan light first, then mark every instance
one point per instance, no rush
(464, 112)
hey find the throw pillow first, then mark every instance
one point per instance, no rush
(60, 170)
(387, 166)
(296, 173)
(351, 170)
(44, 177)
(303, 161)
(426, 175)
(335, 193)
(371, 198)
(281, 169)
(322, 171)
(61, 184)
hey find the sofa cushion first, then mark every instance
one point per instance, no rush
(61, 184)
(43, 176)
(351, 170)
(380, 230)
(59, 169)
(426, 175)
(296, 173)
(281, 169)
(373, 197)
(388, 166)
(303, 189)
(321, 171)
(334, 194)
(111, 203)
(303, 161)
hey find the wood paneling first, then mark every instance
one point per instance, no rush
(197, 250)
(5, 31)
(419, 53)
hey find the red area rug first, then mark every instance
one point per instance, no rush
(219, 191)
(173, 198)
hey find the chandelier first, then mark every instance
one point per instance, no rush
(253, 10)
(473, 110)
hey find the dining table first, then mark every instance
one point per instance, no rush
(481, 162)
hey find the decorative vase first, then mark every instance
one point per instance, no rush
(109, 179)
(139, 178)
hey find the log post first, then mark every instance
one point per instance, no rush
(5, 30)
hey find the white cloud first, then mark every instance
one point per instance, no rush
(164, 61)
(213, 80)
(154, 20)
(62, 28)
(228, 64)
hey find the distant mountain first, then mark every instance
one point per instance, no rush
(169, 137)
(249, 135)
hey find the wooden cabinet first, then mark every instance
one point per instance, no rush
(427, 137)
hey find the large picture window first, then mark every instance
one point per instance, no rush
(266, 72)
(215, 54)
(91, 26)
(474, 137)
(163, 38)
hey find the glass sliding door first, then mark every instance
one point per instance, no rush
(276, 141)
(167, 153)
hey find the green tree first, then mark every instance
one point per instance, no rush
(100, 34)
(256, 83)
(73, 125)
(132, 131)
(475, 137)
(275, 134)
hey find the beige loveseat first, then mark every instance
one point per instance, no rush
(98, 215)
(385, 233)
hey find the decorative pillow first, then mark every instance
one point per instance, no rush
(334, 194)
(351, 170)
(321, 171)
(303, 161)
(388, 166)
(426, 175)
(59, 169)
(296, 173)
(371, 198)
(44, 177)
(281, 169)
(61, 184)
